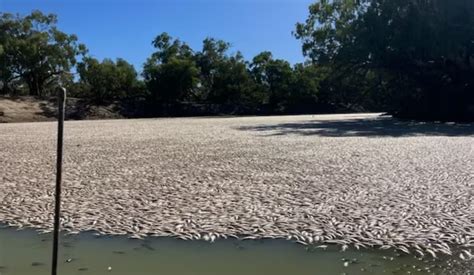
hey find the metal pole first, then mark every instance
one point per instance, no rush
(59, 164)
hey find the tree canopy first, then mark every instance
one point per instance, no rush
(34, 51)
(417, 53)
(107, 80)
(412, 58)
(170, 73)
(214, 75)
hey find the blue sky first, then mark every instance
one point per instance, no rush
(125, 28)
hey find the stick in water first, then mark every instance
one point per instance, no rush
(59, 164)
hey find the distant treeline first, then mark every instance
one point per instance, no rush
(412, 58)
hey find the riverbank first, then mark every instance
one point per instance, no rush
(32, 109)
(351, 180)
(35, 109)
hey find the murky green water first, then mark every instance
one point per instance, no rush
(26, 252)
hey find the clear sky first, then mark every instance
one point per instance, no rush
(125, 28)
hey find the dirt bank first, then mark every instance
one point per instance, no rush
(31, 109)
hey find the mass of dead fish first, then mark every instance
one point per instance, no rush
(211, 178)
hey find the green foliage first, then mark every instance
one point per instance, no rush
(285, 87)
(34, 51)
(224, 77)
(417, 53)
(305, 85)
(210, 61)
(175, 73)
(170, 73)
(107, 80)
(414, 58)
(172, 81)
(232, 84)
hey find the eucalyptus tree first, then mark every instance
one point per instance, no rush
(170, 73)
(275, 77)
(209, 60)
(233, 84)
(418, 52)
(224, 76)
(305, 88)
(107, 80)
(35, 51)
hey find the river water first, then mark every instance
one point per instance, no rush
(25, 252)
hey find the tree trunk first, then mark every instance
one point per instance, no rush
(5, 89)
(35, 86)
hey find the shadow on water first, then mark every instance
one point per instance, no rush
(26, 252)
(380, 126)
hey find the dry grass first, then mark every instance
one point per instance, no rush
(23, 109)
